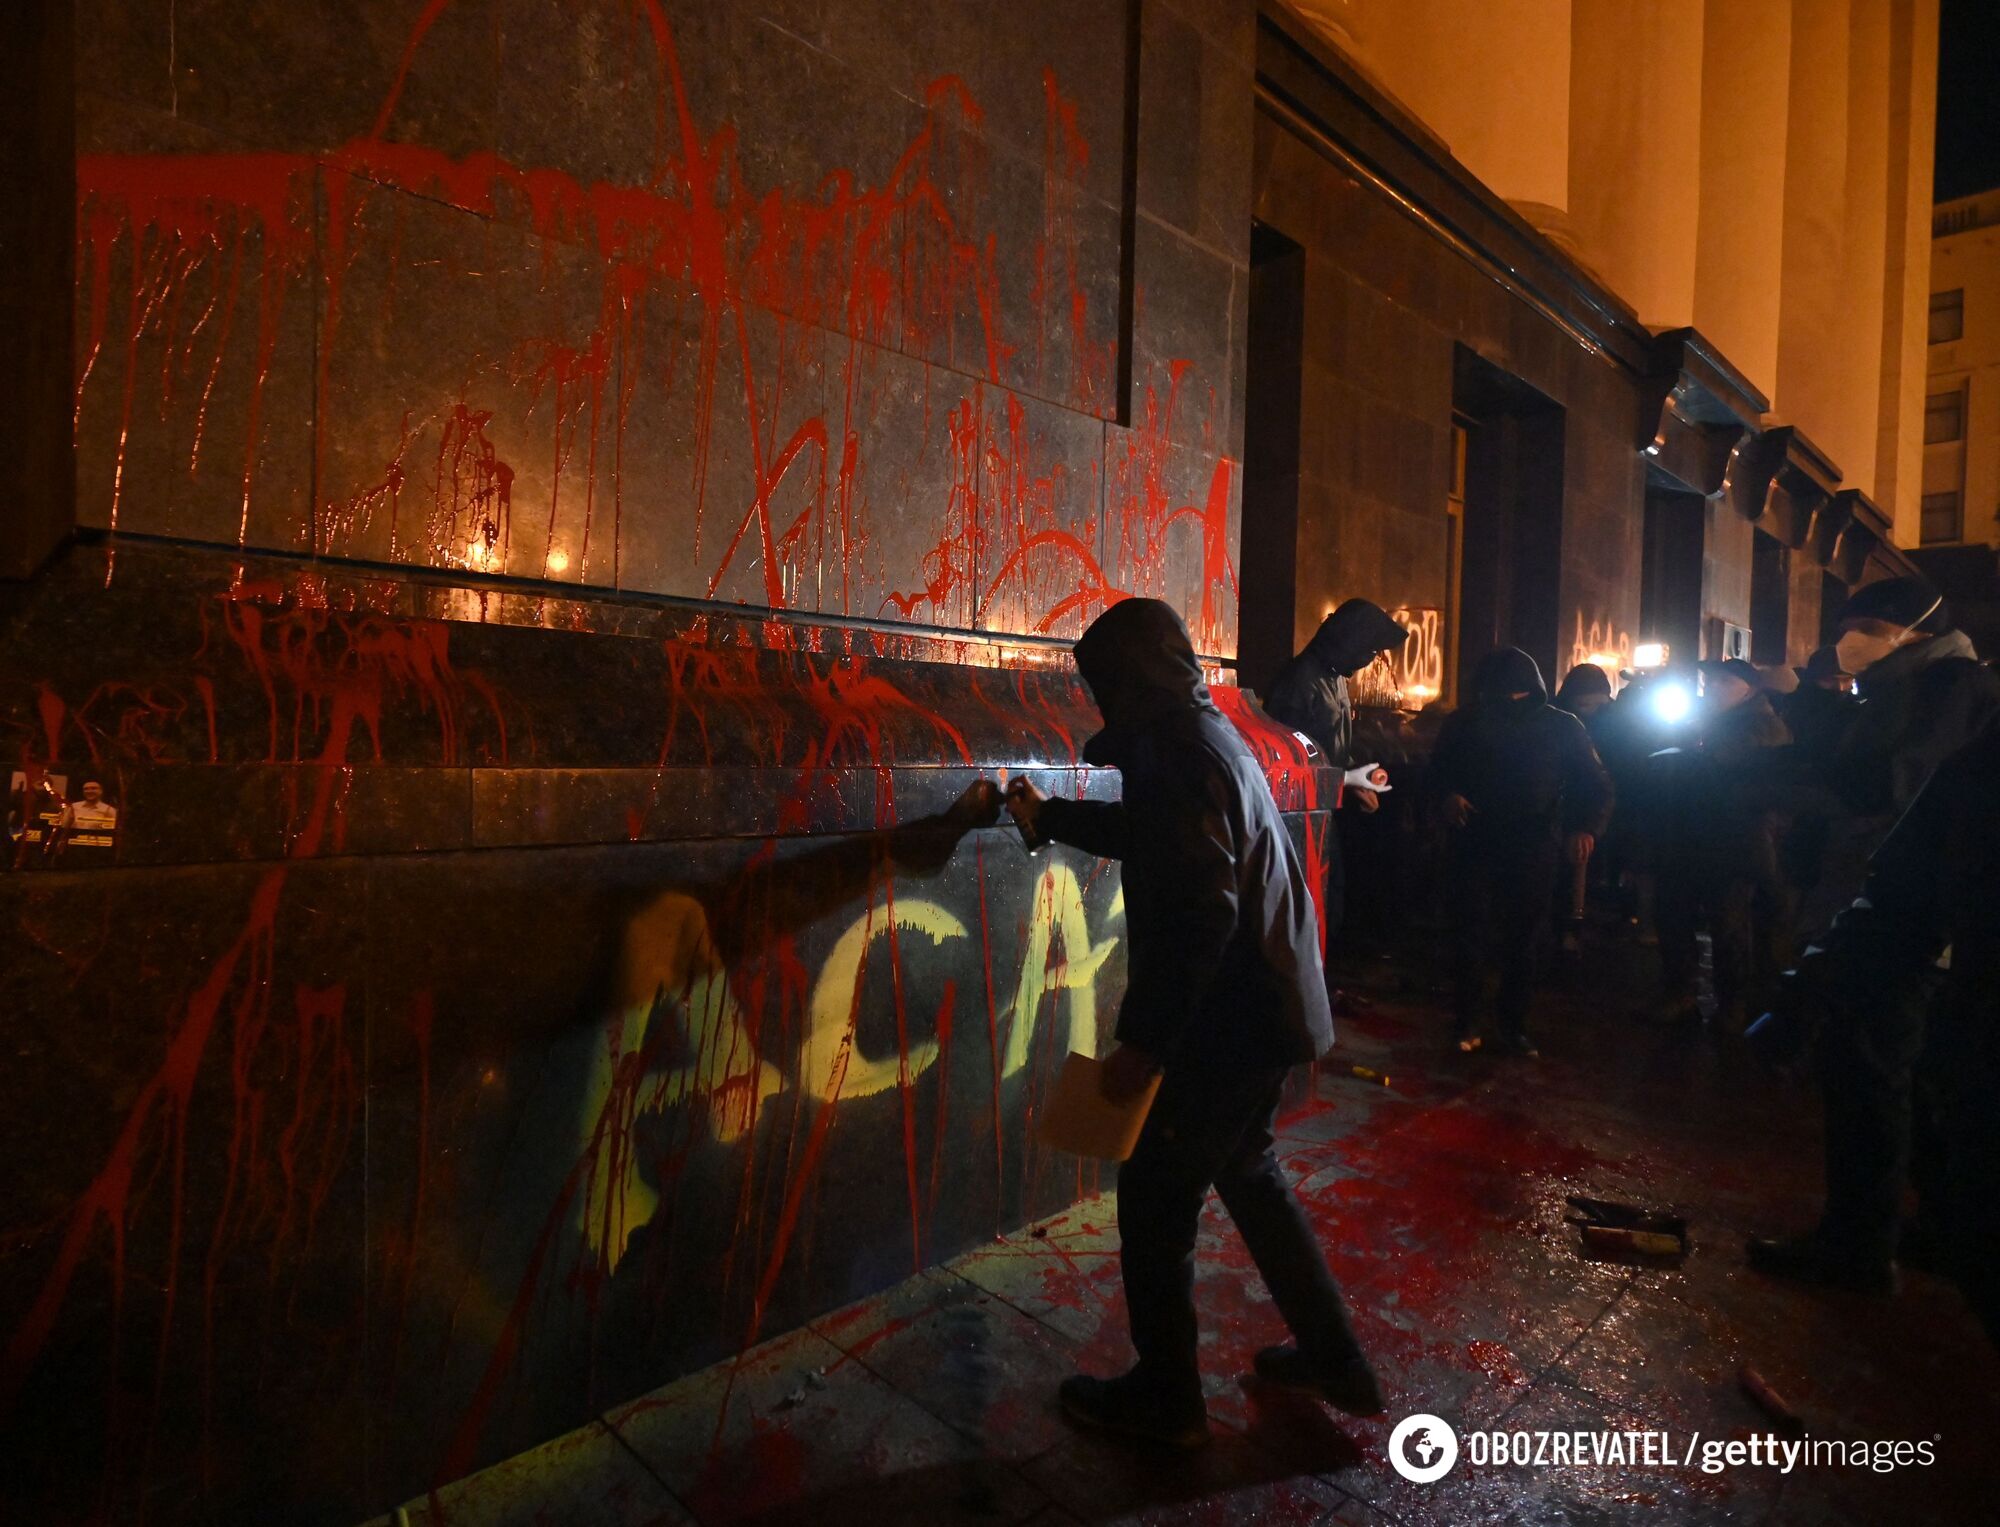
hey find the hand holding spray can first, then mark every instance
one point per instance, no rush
(1024, 804)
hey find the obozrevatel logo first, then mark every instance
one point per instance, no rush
(1423, 1448)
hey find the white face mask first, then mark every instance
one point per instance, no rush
(1858, 651)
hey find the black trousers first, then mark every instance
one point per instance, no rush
(1867, 1075)
(1211, 1127)
(1500, 916)
(1871, 1086)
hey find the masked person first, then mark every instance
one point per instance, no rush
(1923, 695)
(1521, 787)
(1585, 693)
(1310, 695)
(1224, 995)
(1929, 888)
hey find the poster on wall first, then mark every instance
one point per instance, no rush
(34, 811)
(45, 826)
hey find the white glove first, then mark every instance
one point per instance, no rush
(1361, 777)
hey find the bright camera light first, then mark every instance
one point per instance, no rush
(1649, 655)
(1672, 702)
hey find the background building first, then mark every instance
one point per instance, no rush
(1960, 547)
(1962, 408)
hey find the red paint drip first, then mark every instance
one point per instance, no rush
(992, 1013)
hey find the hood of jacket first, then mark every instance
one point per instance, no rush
(1348, 639)
(1140, 666)
(1504, 673)
(1581, 683)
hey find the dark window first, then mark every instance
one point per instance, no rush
(1947, 316)
(1944, 417)
(1940, 518)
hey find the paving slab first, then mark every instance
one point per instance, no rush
(584, 1479)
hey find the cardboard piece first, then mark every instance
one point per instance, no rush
(1080, 1120)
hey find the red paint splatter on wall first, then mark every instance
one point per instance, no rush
(715, 300)
(759, 321)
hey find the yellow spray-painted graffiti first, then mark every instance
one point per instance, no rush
(1058, 918)
(670, 970)
(836, 1001)
(669, 960)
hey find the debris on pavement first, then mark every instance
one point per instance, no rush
(1771, 1402)
(1610, 1228)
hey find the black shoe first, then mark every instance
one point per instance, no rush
(1127, 1407)
(1809, 1259)
(1517, 1045)
(1350, 1386)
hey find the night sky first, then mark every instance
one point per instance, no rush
(1968, 124)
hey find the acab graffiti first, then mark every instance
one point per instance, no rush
(672, 974)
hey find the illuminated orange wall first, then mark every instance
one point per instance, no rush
(1757, 168)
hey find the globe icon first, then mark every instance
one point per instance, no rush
(1423, 1448)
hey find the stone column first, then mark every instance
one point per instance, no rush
(1851, 435)
(1745, 92)
(1813, 329)
(1635, 142)
(1489, 77)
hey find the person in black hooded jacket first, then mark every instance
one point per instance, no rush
(1310, 692)
(1924, 695)
(1518, 782)
(1224, 994)
(1310, 695)
(1872, 988)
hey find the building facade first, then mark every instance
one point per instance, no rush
(1647, 282)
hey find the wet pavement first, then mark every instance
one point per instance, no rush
(1441, 1201)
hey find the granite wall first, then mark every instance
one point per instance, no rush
(571, 493)
(830, 306)
(483, 1011)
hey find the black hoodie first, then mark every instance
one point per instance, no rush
(1527, 768)
(1310, 692)
(1223, 965)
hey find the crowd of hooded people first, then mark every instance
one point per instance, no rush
(1828, 831)
(1838, 849)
